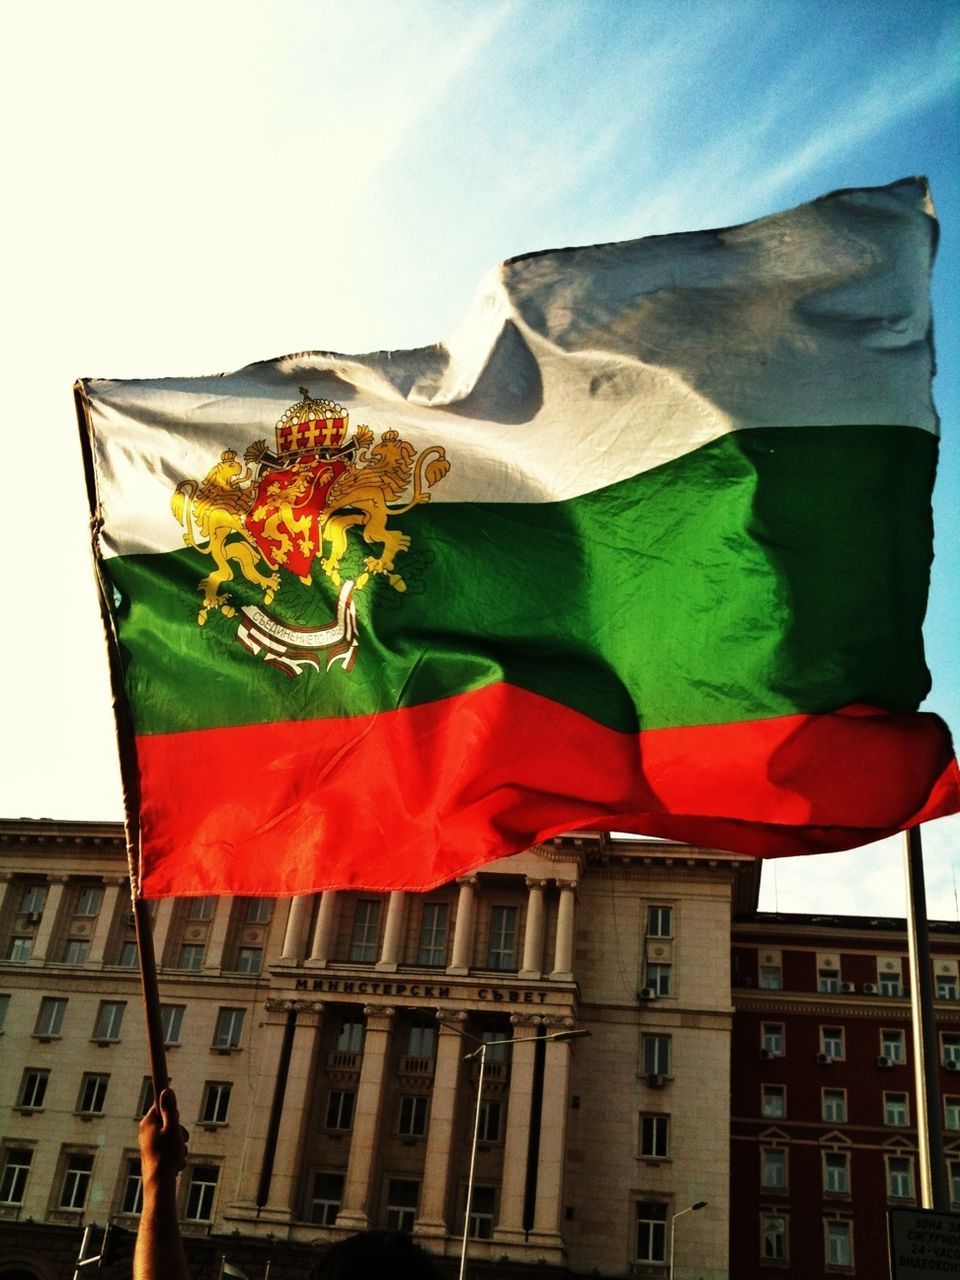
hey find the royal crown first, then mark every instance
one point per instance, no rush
(312, 425)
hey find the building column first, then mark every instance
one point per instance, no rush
(533, 934)
(443, 1113)
(44, 937)
(297, 918)
(217, 937)
(509, 1228)
(553, 1134)
(161, 930)
(563, 951)
(463, 929)
(355, 1210)
(6, 879)
(393, 932)
(105, 919)
(321, 944)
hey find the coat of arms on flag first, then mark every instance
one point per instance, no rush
(272, 515)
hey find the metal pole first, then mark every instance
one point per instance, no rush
(473, 1160)
(934, 1193)
(87, 1233)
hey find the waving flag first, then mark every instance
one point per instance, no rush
(646, 547)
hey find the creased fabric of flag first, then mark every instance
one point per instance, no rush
(645, 547)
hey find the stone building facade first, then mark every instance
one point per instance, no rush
(319, 1048)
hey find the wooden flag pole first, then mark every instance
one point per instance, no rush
(128, 773)
(934, 1193)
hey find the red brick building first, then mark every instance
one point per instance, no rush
(823, 1115)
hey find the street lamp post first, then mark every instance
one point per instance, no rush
(481, 1053)
(691, 1208)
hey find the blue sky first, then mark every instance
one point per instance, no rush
(207, 184)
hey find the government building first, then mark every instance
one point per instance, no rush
(326, 1053)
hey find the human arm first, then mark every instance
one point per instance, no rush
(163, 1154)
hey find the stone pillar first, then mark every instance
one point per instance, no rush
(44, 937)
(355, 1211)
(509, 1226)
(393, 932)
(563, 951)
(105, 919)
(432, 1221)
(285, 1180)
(553, 1132)
(297, 918)
(463, 929)
(217, 937)
(161, 930)
(533, 934)
(321, 944)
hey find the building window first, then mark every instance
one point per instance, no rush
(249, 959)
(88, 901)
(953, 1173)
(771, 1039)
(834, 1106)
(131, 1202)
(256, 910)
(76, 1181)
(491, 1116)
(658, 978)
(412, 1120)
(20, 950)
(93, 1094)
(33, 1088)
(951, 1112)
(145, 1101)
(33, 900)
(340, 1109)
(403, 1196)
(422, 1038)
(229, 1029)
(366, 931)
(201, 1193)
(497, 1042)
(129, 955)
(655, 1051)
(659, 922)
(109, 1020)
(327, 1198)
(950, 1048)
(831, 1042)
(771, 977)
(191, 957)
(890, 982)
(432, 950)
(828, 981)
(350, 1038)
(50, 1018)
(773, 1101)
(773, 1238)
(651, 1232)
(200, 908)
(502, 951)
(76, 951)
(216, 1102)
(16, 1170)
(896, 1111)
(836, 1173)
(947, 987)
(655, 1136)
(839, 1244)
(482, 1205)
(171, 1022)
(773, 1168)
(892, 1046)
(899, 1178)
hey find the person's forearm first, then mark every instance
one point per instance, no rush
(159, 1252)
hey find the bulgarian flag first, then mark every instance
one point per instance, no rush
(645, 547)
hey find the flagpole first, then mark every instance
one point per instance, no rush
(129, 775)
(930, 1148)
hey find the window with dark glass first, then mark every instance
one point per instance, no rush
(502, 950)
(773, 1168)
(899, 1178)
(249, 959)
(651, 1232)
(128, 957)
(412, 1120)
(109, 1020)
(836, 1173)
(422, 1038)
(33, 1088)
(171, 1022)
(93, 1094)
(88, 901)
(896, 1110)
(839, 1247)
(340, 1109)
(403, 1196)
(200, 908)
(482, 1205)
(201, 1192)
(191, 957)
(215, 1103)
(432, 950)
(947, 987)
(350, 1037)
(326, 1199)
(76, 1181)
(51, 1015)
(771, 1038)
(834, 1106)
(229, 1029)
(655, 1054)
(773, 1238)
(366, 931)
(16, 1171)
(658, 978)
(33, 900)
(491, 1116)
(132, 1199)
(256, 910)
(773, 1101)
(831, 1042)
(655, 1136)
(893, 1046)
(659, 922)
